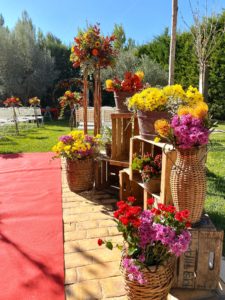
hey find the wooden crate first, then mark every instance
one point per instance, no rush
(199, 267)
(124, 126)
(140, 146)
(101, 174)
(133, 188)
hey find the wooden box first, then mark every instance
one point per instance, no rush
(199, 267)
(124, 126)
(140, 146)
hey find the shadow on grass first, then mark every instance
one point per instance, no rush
(38, 137)
(216, 183)
(7, 141)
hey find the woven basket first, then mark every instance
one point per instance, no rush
(80, 174)
(159, 281)
(188, 182)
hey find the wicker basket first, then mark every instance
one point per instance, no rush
(188, 182)
(80, 174)
(159, 281)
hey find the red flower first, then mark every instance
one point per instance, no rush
(185, 213)
(150, 201)
(131, 199)
(116, 214)
(158, 212)
(100, 242)
(188, 224)
(136, 222)
(178, 217)
(171, 208)
(124, 220)
(161, 206)
(95, 52)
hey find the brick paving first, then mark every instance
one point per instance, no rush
(91, 272)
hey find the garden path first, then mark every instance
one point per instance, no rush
(91, 272)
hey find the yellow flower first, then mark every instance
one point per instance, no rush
(200, 111)
(193, 96)
(140, 74)
(162, 127)
(97, 44)
(185, 110)
(109, 84)
(67, 93)
(175, 91)
(157, 139)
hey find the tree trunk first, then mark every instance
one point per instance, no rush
(173, 42)
(203, 80)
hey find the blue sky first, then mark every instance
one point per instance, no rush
(142, 19)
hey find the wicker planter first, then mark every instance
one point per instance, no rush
(159, 281)
(120, 98)
(188, 182)
(146, 120)
(80, 174)
(153, 185)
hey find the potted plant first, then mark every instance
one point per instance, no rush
(152, 240)
(79, 150)
(150, 168)
(154, 103)
(125, 88)
(107, 140)
(189, 132)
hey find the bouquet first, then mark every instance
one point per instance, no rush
(130, 83)
(70, 98)
(34, 101)
(190, 127)
(148, 165)
(92, 50)
(12, 101)
(151, 236)
(77, 145)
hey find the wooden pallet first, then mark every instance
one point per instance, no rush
(124, 126)
(199, 267)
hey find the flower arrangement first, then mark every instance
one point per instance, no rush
(12, 101)
(167, 98)
(151, 236)
(34, 101)
(130, 83)
(92, 50)
(190, 127)
(77, 146)
(70, 98)
(149, 166)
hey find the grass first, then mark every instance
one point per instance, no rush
(215, 202)
(34, 139)
(42, 139)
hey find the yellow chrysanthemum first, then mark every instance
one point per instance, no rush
(140, 74)
(157, 139)
(175, 91)
(162, 127)
(109, 84)
(185, 110)
(193, 96)
(200, 111)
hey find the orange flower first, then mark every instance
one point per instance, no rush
(162, 127)
(95, 52)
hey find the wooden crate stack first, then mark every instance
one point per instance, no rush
(199, 267)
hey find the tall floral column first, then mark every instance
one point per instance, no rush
(92, 52)
(34, 102)
(13, 102)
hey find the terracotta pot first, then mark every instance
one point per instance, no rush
(153, 185)
(188, 182)
(146, 120)
(159, 281)
(120, 98)
(80, 174)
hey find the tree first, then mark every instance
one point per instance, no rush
(2, 21)
(173, 42)
(120, 35)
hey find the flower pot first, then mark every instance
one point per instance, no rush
(159, 280)
(188, 182)
(80, 174)
(153, 185)
(108, 149)
(146, 120)
(120, 98)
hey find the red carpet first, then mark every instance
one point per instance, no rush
(31, 232)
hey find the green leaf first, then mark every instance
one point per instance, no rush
(131, 251)
(109, 245)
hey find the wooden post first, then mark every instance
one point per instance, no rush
(85, 92)
(97, 102)
(15, 120)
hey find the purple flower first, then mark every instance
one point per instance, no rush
(66, 139)
(175, 121)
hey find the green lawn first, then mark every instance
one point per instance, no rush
(34, 139)
(42, 139)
